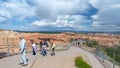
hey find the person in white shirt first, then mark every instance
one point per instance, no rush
(22, 46)
(33, 47)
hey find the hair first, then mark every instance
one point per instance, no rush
(32, 41)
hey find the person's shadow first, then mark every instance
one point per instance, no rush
(3, 54)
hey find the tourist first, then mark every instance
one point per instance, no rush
(33, 47)
(79, 42)
(40, 43)
(75, 42)
(53, 48)
(22, 45)
(44, 48)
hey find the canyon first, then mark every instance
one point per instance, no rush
(9, 38)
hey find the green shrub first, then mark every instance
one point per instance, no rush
(92, 43)
(80, 63)
(114, 53)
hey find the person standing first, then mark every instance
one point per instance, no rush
(79, 42)
(44, 48)
(41, 43)
(53, 49)
(33, 47)
(22, 46)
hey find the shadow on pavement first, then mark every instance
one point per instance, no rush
(3, 54)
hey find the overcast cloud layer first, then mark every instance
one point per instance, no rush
(45, 15)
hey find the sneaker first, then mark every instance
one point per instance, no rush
(24, 64)
(27, 60)
(51, 54)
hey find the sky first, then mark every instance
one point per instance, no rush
(53, 15)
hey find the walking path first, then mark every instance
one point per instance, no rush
(62, 59)
(13, 61)
(65, 59)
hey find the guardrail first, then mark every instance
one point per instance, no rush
(105, 60)
(6, 50)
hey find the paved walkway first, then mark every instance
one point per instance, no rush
(13, 61)
(65, 59)
(62, 59)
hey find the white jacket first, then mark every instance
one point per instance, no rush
(53, 46)
(22, 45)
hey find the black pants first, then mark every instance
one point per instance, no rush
(53, 51)
(34, 53)
(40, 48)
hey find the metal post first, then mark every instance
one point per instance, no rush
(7, 40)
(114, 55)
(103, 54)
(9, 50)
(113, 58)
(103, 58)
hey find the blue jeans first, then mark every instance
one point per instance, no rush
(23, 58)
(44, 53)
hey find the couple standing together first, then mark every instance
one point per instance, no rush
(44, 46)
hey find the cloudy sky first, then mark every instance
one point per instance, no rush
(45, 15)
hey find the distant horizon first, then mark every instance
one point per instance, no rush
(60, 31)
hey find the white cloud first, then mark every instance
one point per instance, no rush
(80, 19)
(108, 16)
(52, 8)
(40, 23)
(5, 13)
(2, 19)
(63, 22)
(95, 17)
(103, 27)
(105, 5)
(16, 8)
(54, 13)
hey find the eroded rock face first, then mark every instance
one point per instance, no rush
(11, 38)
(8, 38)
(104, 39)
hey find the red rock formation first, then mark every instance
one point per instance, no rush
(11, 38)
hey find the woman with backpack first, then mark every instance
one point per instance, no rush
(44, 48)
